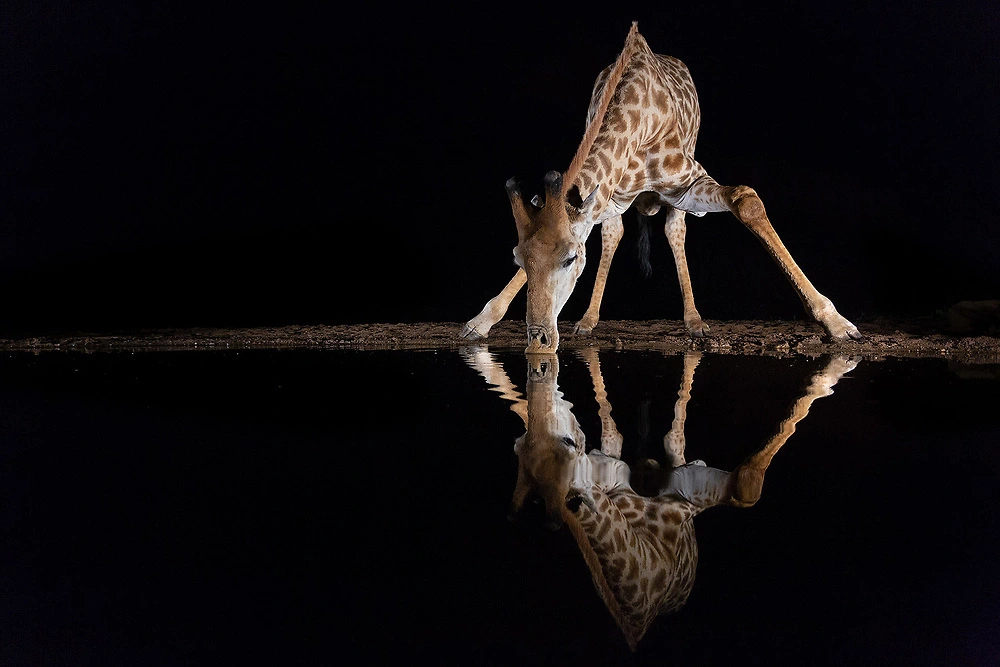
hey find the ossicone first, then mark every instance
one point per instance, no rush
(513, 188)
(553, 184)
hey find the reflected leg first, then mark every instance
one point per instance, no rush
(674, 442)
(486, 364)
(611, 438)
(748, 479)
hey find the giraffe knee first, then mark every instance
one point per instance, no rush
(612, 230)
(746, 204)
(748, 485)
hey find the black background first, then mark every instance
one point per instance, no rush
(195, 165)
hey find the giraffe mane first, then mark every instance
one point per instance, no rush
(597, 573)
(633, 43)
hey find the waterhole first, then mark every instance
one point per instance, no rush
(297, 506)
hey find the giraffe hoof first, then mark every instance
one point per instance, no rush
(839, 328)
(470, 333)
(583, 328)
(698, 329)
(845, 334)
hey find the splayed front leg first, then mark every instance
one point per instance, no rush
(705, 195)
(747, 206)
(480, 325)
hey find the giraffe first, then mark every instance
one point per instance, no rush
(639, 546)
(637, 150)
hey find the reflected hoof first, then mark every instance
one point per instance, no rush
(846, 336)
(841, 366)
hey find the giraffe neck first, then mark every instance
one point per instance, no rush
(613, 157)
(646, 138)
(642, 554)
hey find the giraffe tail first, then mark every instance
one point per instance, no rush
(642, 246)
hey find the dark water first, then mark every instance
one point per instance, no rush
(301, 507)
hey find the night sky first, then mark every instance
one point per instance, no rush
(187, 166)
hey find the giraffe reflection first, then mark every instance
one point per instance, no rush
(633, 527)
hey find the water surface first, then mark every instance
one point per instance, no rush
(263, 506)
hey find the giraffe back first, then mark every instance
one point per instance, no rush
(670, 93)
(648, 135)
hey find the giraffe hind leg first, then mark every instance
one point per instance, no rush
(675, 229)
(705, 195)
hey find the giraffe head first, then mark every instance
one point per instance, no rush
(551, 455)
(551, 254)
(551, 232)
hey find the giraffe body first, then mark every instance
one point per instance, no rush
(638, 150)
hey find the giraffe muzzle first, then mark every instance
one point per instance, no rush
(539, 340)
(539, 368)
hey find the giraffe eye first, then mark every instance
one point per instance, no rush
(573, 504)
(568, 261)
(569, 442)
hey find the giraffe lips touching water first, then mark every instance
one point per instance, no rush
(539, 341)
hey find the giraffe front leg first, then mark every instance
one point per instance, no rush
(747, 206)
(480, 325)
(676, 231)
(611, 234)
(705, 195)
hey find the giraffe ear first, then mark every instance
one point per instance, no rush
(553, 185)
(513, 188)
(573, 197)
(576, 200)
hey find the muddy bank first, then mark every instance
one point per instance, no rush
(883, 338)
